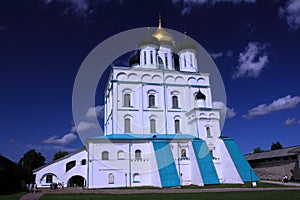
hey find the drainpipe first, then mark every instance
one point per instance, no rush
(129, 146)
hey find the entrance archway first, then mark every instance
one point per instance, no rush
(76, 181)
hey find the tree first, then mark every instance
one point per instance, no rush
(257, 150)
(30, 160)
(59, 154)
(276, 146)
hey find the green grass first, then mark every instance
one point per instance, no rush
(12, 196)
(264, 195)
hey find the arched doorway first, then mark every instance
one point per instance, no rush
(76, 181)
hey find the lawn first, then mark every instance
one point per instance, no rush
(15, 196)
(264, 195)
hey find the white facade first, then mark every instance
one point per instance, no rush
(160, 127)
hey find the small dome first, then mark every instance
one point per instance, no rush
(148, 39)
(163, 36)
(187, 43)
(199, 95)
(135, 59)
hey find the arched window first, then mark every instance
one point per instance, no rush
(127, 123)
(184, 60)
(208, 133)
(166, 59)
(145, 58)
(126, 100)
(175, 102)
(151, 100)
(105, 155)
(138, 154)
(121, 155)
(151, 57)
(177, 125)
(183, 153)
(136, 178)
(152, 126)
(111, 178)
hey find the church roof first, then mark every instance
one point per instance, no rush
(200, 95)
(148, 39)
(289, 151)
(145, 137)
(163, 36)
(187, 43)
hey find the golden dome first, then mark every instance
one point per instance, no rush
(163, 36)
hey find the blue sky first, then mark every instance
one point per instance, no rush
(255, 45)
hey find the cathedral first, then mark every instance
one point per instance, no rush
(160, 127)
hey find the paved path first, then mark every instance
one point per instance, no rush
(40, 193)
(281, 183)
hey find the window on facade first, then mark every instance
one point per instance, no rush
(138, 154)
(127, 123)
(111, 178)
(175, 102)
(105, 155)
(208, 133)
(145, 58)
(177, 126)
(184, 60)
(121, 155)
(83, 162)
(49, 178)
(126, 100)
(151, 100)
(70, 165)
(191, 59)
(151, 57)
(183, 153)
(152, 125)
(166, 60)
(136, 178)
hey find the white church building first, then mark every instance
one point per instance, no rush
(160, 128)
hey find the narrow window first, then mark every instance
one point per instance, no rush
(175, 102)
(136, 178)
(191, 59)
(138, 154)
(183, 153)
(111, 178)
(145, 58)
(208, 133)
(184, 60)
(177, 126)
(121, 155)
(126, 100)
(151, 57)
(151, 100)
(152, 126)
(105, 155)
(166, 59)
(70, 165)
(49, 178)
(127, 123)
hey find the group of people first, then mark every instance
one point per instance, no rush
(57, 185)
(32, 187)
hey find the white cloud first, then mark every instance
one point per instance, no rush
(230, 113)
(283, 103)
(290, 121)
(216, 55)
(187, 5)
(252, 60)
(84, 126)
(291, 12)
(220, 54)
(95, 112)
(64, 141)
